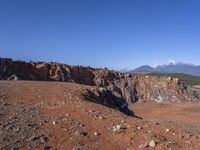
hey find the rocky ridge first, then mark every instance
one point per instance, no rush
(112, 89)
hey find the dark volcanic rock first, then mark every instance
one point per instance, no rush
(108, 98)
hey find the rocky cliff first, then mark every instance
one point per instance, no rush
(126, 88)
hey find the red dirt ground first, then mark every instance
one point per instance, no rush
(55, 115)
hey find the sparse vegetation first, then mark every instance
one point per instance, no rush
(184, 78)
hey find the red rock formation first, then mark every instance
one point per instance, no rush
(129, 87)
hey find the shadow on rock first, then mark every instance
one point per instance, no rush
(109, 99)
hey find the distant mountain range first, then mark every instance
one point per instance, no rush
(180, 67)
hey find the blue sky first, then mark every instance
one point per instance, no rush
(101, 33)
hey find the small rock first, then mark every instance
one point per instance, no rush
(170, 143)
(77, 133)
(75, 148)
(167, 130)
(162, 138)
(96, 134)
(67, 115)
(139, 128)
(83, 133)
(54, 123)
(123, 121)
(152, 143)
(116, 128)
(181, 136)
(34, 138)
(82, 125)
(16, 129)
(101, 118)
(91, 111)
(144, 145)
(43, 139)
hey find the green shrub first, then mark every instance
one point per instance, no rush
(184, 78)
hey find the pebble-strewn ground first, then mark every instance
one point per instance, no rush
(54, 115)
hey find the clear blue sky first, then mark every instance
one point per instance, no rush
(101, 33)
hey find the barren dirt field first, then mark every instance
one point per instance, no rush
(197, 86)
(181, 115)
(55, 116)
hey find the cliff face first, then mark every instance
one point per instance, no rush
(128, 87)
(163, 89)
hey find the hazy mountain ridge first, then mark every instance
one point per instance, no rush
(180, 67)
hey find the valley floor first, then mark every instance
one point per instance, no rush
(181, 115)
(55, 116)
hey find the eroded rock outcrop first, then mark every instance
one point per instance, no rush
(162, 89)
(128, 87)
